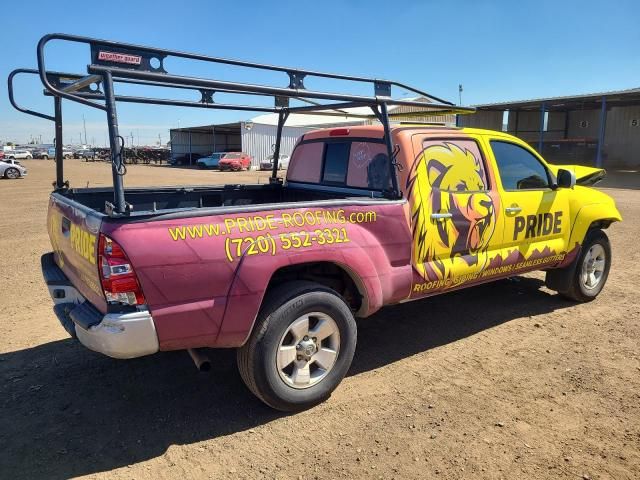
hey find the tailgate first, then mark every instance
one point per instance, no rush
(74, 230)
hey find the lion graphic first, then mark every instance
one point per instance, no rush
(446, 178)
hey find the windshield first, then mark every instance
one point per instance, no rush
(232, 156)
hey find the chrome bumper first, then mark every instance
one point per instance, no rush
(117, 335)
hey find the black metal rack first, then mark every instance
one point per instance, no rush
(115, 62)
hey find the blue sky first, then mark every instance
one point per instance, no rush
(499, 50)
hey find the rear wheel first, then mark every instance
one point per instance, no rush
(301, 347)
(11, 173)
(585, 278)
(45, 157)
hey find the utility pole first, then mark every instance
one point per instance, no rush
(131, 133)
(84, 124)
(460, 94)
(159, 140)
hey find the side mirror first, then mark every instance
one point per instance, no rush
(566, 178)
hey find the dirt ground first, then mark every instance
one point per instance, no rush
(505, 380)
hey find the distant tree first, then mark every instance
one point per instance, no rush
(9, 144)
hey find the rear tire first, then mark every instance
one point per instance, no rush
(301, 346)
(584, 279)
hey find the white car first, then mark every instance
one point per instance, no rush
(11, 169)
(26, 154)
(267, 163)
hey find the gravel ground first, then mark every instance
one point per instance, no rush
(505, 380)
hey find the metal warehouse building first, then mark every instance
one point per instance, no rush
(258, 135)
(253, 138)
(600, 129)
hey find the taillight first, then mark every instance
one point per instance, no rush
(119, 280)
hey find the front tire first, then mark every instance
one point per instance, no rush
(301, 347)
(12, 173)
(585, 278)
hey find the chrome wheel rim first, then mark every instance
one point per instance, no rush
(11, 173)
(593, 266)
(308, 350)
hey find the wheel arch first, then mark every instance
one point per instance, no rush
(250, 285)
(336, 276)
(598, 215)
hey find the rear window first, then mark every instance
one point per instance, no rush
(336, 161)
(350, 163)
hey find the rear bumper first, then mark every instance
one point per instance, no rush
(117, 335)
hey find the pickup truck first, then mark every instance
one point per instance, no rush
(367, 216)
(280, 271)
(51, 153)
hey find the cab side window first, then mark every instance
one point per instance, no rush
(519, 169)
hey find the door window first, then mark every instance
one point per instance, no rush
(519, 169)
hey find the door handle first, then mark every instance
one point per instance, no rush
(441, 216)
(513, 209)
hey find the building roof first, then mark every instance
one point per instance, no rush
(585, 101)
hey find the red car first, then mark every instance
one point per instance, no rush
(235, 161)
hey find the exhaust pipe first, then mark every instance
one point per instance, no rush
(201, 360)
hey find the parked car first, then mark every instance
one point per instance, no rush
(186, 159)
(85, 154)
(234, 161)
(38, 152)
(22, 154)
(211, 161)
(51, 153)
(1, 154)
(11, 168)
(267, 163)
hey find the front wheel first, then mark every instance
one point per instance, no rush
(584, 280)
(301, 347)
(12, 173)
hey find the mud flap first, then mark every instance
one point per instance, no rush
(559, 279)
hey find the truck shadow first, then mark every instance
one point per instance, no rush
(68, 412)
